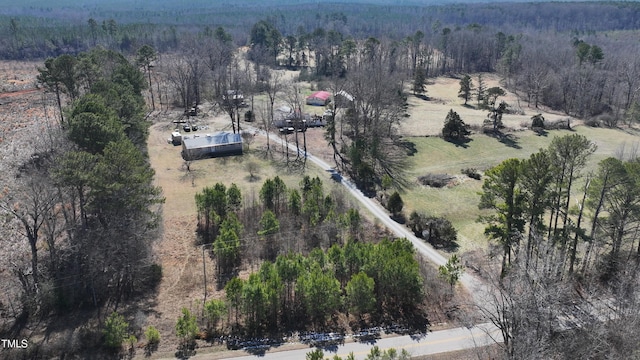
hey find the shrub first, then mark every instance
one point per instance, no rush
(435, 180)
(472, 173)
(153, 339)
(609, 120)
(152, 335)
(436, 230)
(186, 327)
(558, 125)
(395, 203)
(132, 341)
(592, 122)
(249, 116)
(537, 121)
(452, 270)
(115, 330)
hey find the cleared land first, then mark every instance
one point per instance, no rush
(427, 116)
(182, 262)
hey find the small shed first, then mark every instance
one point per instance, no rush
(176, 138)
(211, 145)
(319, 98)
(234, 97)
(343, 99)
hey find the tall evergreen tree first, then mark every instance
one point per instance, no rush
(466, 88)
(454, 128)
(500, 192)
(419, 82)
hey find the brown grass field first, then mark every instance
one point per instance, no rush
(182, 261)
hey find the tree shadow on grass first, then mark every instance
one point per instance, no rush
(541, 132)
(463, 142)
(449, 246)
(409, 146)
(253, 178)
(186, 349)
(292, 166)
(509, 140)
(399, 218)
(150, 348)
(259, 350)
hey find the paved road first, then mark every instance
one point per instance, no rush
(431, 343)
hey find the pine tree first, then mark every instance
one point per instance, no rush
(395, 203)
(419, 82)
(454, 128)
(480, 90)
(466, 87)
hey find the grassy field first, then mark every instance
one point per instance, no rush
(427, 116)
(459, 203)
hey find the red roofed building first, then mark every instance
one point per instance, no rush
(319, 98)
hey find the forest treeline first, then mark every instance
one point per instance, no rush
(38, 32)
(86, 191)
(572, 57)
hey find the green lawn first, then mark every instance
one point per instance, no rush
(459, 203)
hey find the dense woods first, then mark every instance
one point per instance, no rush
(86, 190)
(589, 73)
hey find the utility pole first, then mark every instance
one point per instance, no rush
(204, 272)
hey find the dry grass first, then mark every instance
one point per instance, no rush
(18, 75)
(183, 280)
(427, 116)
